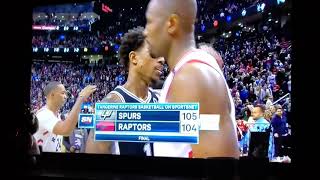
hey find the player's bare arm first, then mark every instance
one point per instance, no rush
(67, 126)
(204, 85)
(101, 147)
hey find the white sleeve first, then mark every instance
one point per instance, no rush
(47, 120)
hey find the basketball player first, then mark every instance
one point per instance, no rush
(51, 127)
(170, 34)
(134, 54)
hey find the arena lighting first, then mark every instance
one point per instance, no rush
(76, 50)
(263, 5)
(228, 18)
(75, 28)
(85, 49)
(66, 28)
(66, 50)
(203, 27)
(276, 21)
(280, 1)
(35, 49)
(56, 50)
(260, 7)
(215, 23)
(105, 8)
(116, 47)
(46, 49)
(270, 20)
(244, 12)
(62, 37)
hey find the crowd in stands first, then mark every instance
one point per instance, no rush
(257, 68)
(89, 40)
(219, 10)
(70, 22)
(75, 77)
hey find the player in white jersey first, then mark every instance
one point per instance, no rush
(142, 71)
(194, 76)
(51, 128)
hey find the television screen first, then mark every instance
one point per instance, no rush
(153, 78)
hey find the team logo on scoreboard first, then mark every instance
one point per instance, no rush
(107, 115)
(86, 121)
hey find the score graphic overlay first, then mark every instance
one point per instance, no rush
(139, 122)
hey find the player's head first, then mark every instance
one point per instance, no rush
(169, 21)
(258, 112)
(209, 49)
(55, 93)
(135, 56)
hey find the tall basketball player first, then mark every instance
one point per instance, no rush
(134, 54)
(194, 76)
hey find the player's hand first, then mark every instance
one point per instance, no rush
(87, 91)
(72, 149)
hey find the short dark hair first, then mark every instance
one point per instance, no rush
(279, 107)
(50, 86)
(262, 107)
(131, 41)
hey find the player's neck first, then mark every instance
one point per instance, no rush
(137, 86)
(179, 49)
(51, 107)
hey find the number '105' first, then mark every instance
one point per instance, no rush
(189, 116)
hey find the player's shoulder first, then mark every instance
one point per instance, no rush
(43, 111)
(112, 97)
(44, 114)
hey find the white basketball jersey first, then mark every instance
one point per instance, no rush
(195, 56)
(49, 141)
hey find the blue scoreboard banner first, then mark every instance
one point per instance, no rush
(139, 122)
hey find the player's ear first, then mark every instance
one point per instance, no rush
(172, 24)
(133, 57)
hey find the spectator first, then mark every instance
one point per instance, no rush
(279, 123)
